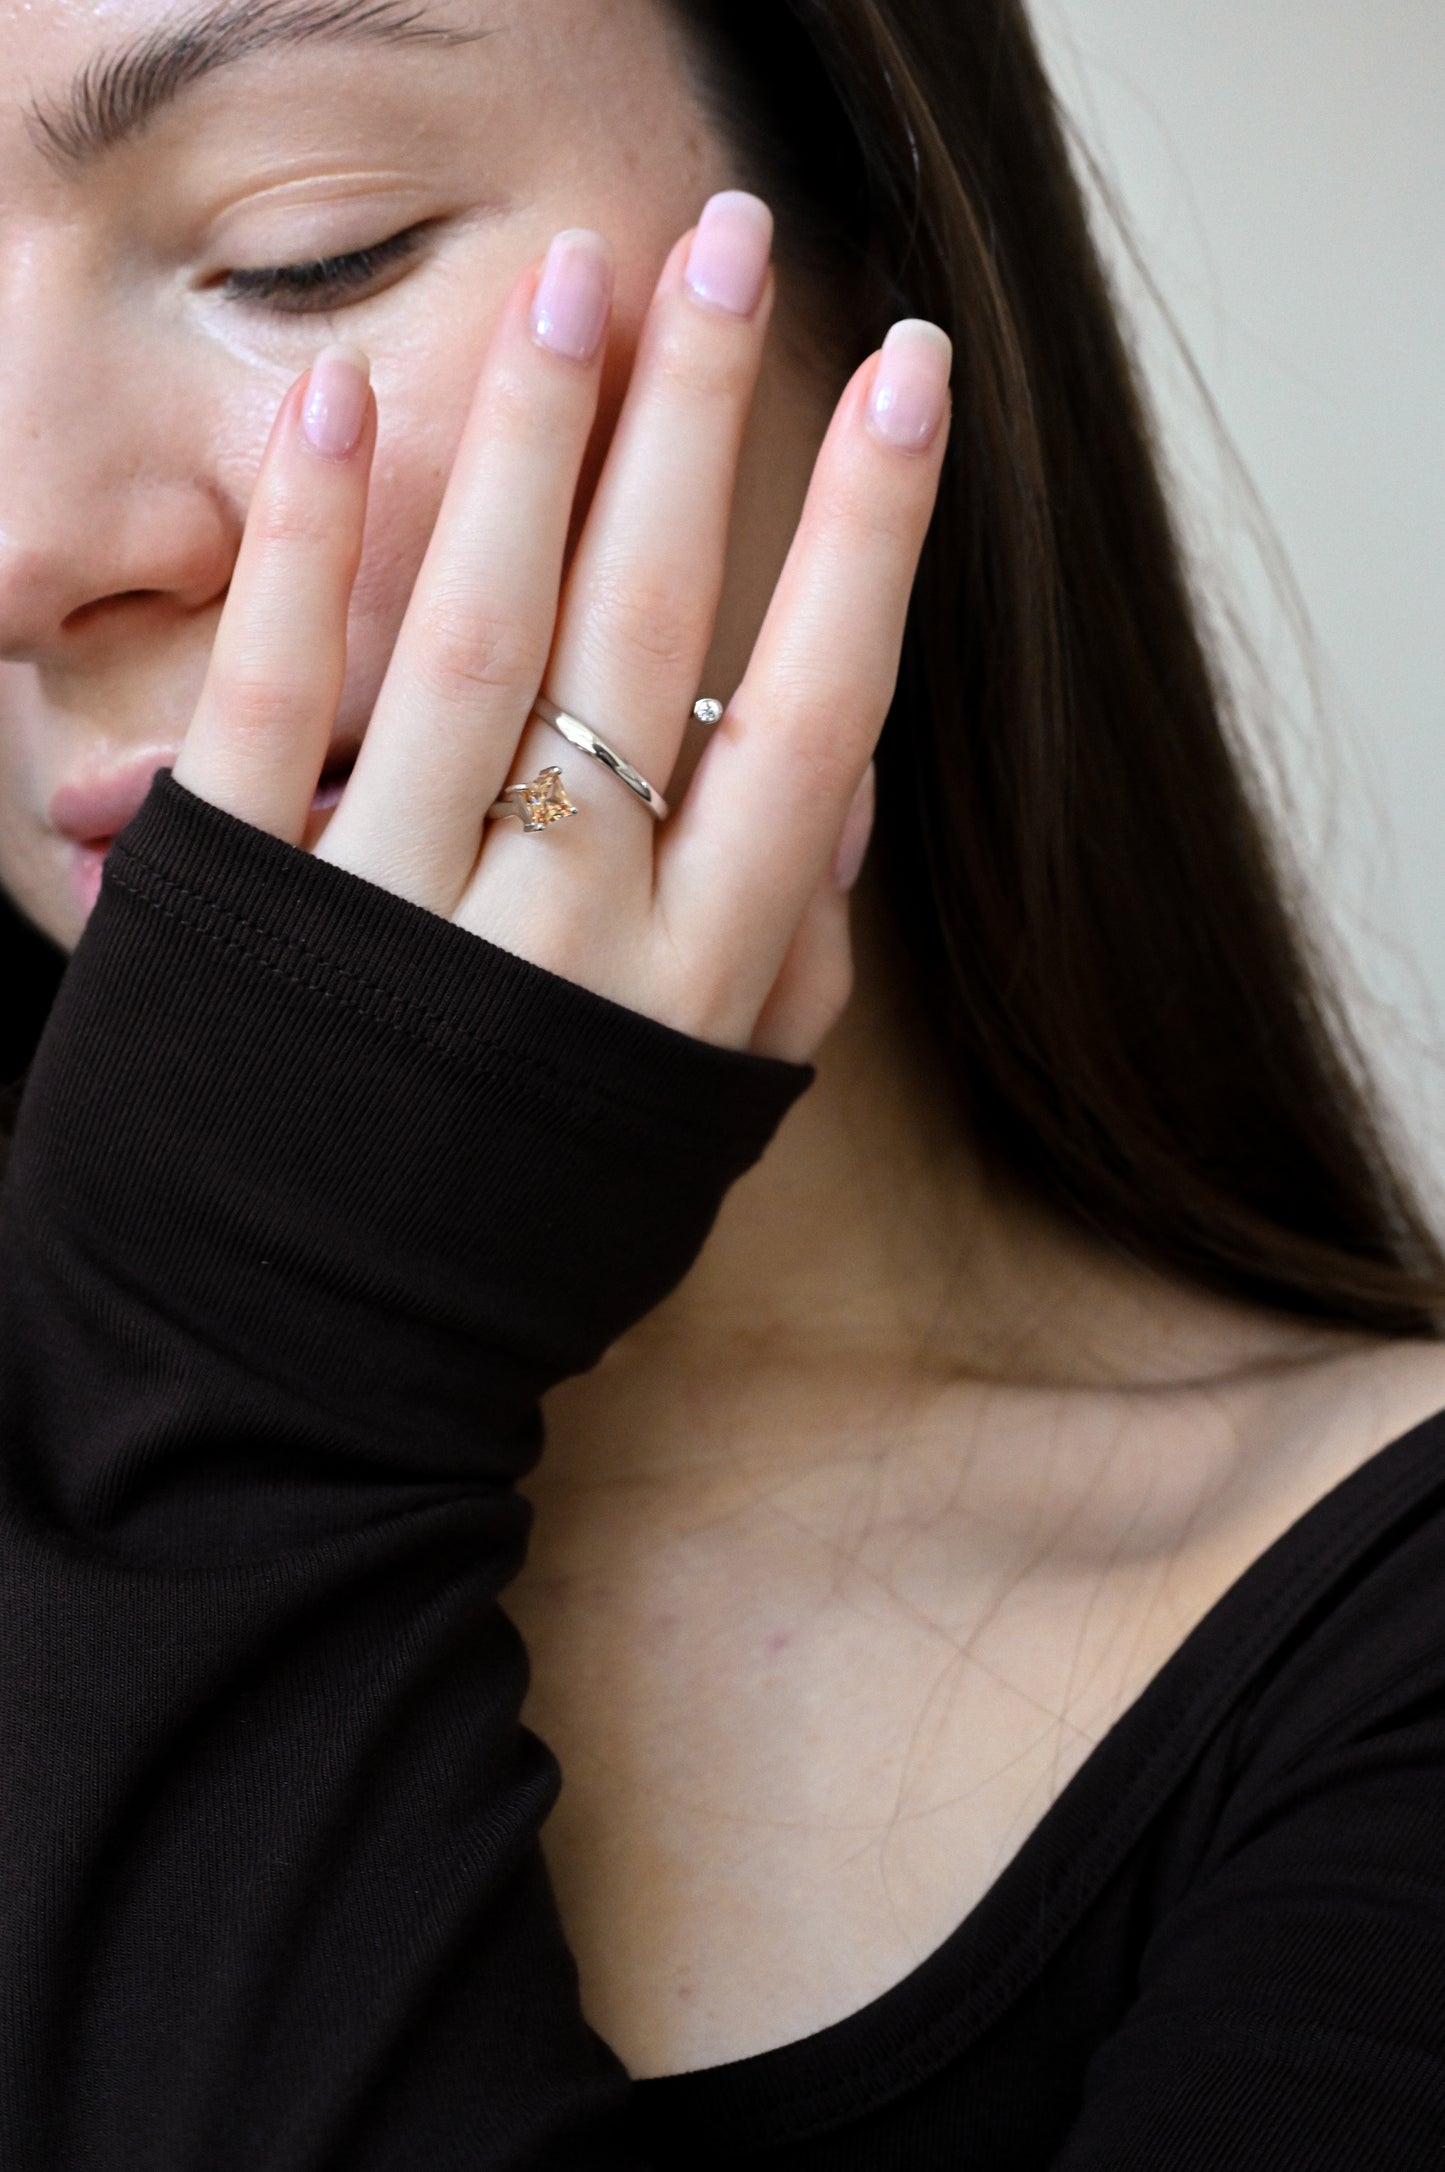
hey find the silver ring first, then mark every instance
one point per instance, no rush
(582, 736)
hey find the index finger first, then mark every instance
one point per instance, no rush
(258, 740)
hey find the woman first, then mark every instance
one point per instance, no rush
(983, 1594)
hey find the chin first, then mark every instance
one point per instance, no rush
(39, 894)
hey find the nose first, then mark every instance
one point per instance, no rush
(109, 517)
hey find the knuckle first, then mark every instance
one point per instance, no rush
(259, 706)
(643, 614)
(704, 366)
(463, 651)
(855, 503)
(526, 407)
(826, 744)
(820, 761)
(293, 516)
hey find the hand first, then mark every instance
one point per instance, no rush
(724, 920)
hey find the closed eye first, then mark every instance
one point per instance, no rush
(327, 282)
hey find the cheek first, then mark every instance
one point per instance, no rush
(13, 768)
(27, 866)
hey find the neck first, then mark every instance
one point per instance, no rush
(874, 1259)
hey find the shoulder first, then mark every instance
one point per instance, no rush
(1368, 1652)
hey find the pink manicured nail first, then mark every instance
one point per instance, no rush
(335, 405)
(574, 294)
(728, 260)
(910, 391)
(857, 830)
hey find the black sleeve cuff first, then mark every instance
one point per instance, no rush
(306, 1164)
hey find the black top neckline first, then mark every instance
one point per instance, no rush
(932, 2015)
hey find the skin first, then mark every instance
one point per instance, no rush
(904, 1448)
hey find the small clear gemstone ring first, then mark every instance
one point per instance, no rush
(590, 742)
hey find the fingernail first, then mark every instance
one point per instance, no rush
(728, 260)
(335, 405)
(574, 294)
(857, 831)
(910, 391)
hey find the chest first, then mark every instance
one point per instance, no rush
(806, 1722)
(772, 1813)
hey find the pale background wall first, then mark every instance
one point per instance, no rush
(1282, 165)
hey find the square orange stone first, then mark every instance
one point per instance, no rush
(545, 801)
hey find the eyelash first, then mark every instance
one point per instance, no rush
(301, 287)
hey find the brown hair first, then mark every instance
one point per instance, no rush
(1070, 840)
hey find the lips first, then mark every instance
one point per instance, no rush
(92, 809)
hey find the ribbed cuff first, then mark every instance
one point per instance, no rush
(359, 946)
(352, 1179)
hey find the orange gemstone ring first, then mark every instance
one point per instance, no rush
(578, 734)
(539, 804)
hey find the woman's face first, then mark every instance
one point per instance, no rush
(158, 167)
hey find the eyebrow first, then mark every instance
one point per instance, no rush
(117, 95)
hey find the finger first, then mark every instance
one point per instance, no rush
(642, 594)
(812, 990)
(761, 818)
(257, 743)
(469, 658)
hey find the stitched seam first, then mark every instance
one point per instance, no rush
(565, 1090)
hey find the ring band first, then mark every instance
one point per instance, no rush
(541, 802)
(590, 742)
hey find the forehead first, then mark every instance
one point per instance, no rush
(81, 77)
(90, 74)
